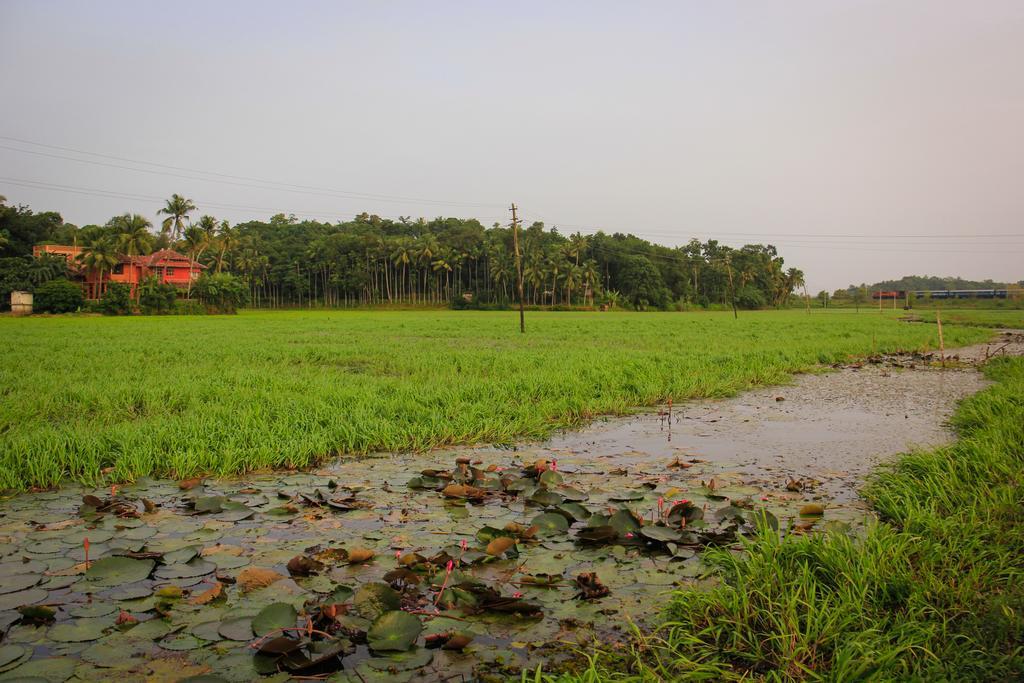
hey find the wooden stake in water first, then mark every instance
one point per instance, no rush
(942, 346)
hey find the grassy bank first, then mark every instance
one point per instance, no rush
(209, 394)
(933, 592)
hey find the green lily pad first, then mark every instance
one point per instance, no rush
(96, 609)
(48, 547)
(14, 568)
(116, 571)
(79, 631)
(550, 523)
(181, 642)
(209, 504)
(661, 534)
(416, 658)
(12, 584)
(373, 599)
(113, 652)
(274, 617)
(626, 496)
(12, 653)
(624, 522)
(51, 670)
(22, 598)
(180, 555)
(190, 570)
(394, 630)
(239, 628)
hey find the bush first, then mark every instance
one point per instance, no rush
(157, 298)
(117, 300)
(58, 296)
(189, 307)
(221, 292)
(750, 298)
(13, 278)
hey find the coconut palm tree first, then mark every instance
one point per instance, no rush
(133, 235)
(591, 277)
(208, 224)
(402, 253)
(99, 255)
(197, 240)
(227, 242)
(177, 211)
(573, 277)
(794, 280)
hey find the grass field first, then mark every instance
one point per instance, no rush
(935, 592)
(92, 398)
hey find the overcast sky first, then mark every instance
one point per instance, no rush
(838, 131)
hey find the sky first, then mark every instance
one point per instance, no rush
(866, 140)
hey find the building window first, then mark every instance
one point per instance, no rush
(169, 271)
(119, 269)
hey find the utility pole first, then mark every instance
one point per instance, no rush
(519, 267)
(732, 288)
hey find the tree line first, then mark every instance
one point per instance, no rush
(372, 260)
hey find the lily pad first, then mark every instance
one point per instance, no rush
(274, 617)
(11, 584)
(550, 523)
(189, 570)
(373, 599)
(52, 670)
(12, 653)
(416, 658)
(238, 628)
(116, 571)
(394, 630)
(22, 598)
(79, 631)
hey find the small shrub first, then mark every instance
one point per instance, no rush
(750, 298)
(221, 292)
(117, 300)
(157, 298)
(58, 296)
(189, 307)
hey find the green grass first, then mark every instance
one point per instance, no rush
(93, 398)
(935, 592)
(981, 317)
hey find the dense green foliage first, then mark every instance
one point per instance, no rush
(181, 396)
(27, 273)
(933, 592)
(221, 292)
(373, 260)
(117, 300)
(157, 298)
(58, 296)
(919, 282)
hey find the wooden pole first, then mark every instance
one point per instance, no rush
(732, 288)
(519, 267)
(942, 345)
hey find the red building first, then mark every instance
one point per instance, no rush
(166, 265)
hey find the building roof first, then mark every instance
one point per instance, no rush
(165, 256)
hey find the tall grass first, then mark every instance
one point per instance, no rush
(934, 592)
(188, 395)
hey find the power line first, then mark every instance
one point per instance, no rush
(672, 232)
(43, 185)
(229, 179)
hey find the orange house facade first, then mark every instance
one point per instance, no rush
(166, 265)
